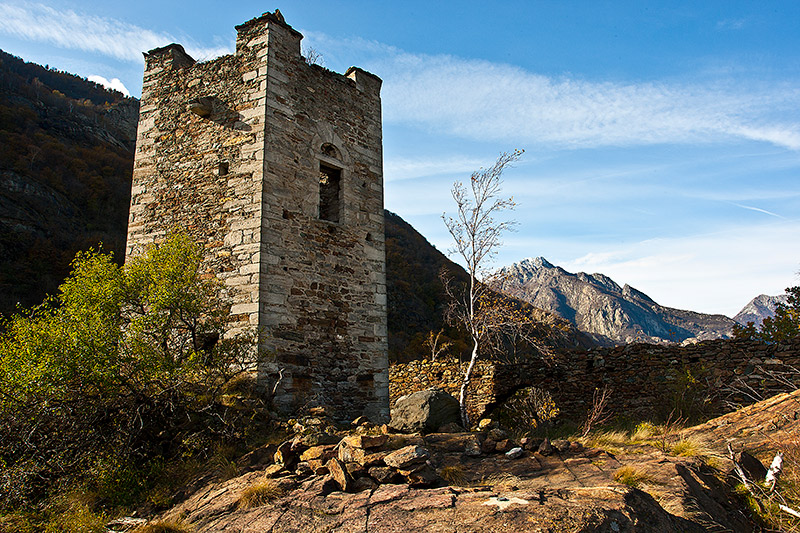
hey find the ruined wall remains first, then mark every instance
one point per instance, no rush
(647, 381)
(275, 166)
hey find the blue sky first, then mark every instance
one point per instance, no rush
(662, 139)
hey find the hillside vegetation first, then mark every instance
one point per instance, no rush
(66, 158)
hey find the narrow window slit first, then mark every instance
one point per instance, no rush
(329, 192)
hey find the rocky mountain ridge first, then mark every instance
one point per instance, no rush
(759, 308)
(598, 306)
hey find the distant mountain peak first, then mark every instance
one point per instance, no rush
(597, 305)
(759, 308)
(536, 263)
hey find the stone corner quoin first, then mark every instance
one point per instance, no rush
(275, 166)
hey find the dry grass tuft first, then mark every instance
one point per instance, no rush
(691, 447)
(260, 494)
(631, 476)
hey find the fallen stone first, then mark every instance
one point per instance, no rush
(405, 457)
(374, 459)
(363, 483)
(488, 446)
(425, 411)
(515, 453)
(503, 446)
(318, 439)
(424, 477)
(497, 434)
(561, 445)
(339, 474)
(486, 424)
(365, 441)
(317, 452)
(383, 474)
(545, 448)
(355, 470)
(275, 470)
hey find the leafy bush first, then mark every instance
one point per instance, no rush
(529, 409)
(782, 327)
(124, 365)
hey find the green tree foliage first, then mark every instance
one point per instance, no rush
(122, 366)
(783, 326)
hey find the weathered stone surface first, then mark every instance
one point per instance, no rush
(451, 427)
(275, 471)
(339, 474)
(317, 452)
(278, 174)
(424, 411)
(365, 441)
(406, 457)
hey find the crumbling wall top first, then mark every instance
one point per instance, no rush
(276, 17)
(174, 51)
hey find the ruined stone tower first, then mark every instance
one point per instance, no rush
(275, 166)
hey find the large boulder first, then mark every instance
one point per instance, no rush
(425, 411)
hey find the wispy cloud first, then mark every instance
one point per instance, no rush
(480, 100)
(81, 31)
(403, 168)
(759, 210)
(731, 24)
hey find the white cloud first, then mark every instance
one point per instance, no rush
(115, 84)
(480, 100)
(81, 31)
(714, 273)
(486, 101)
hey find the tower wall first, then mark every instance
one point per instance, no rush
(275, 166)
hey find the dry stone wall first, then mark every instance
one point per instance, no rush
(232, 151)
(646, 381)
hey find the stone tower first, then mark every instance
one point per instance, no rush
(275, 166)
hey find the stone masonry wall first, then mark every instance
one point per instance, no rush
(231, 152)
(446, 374)
(646, 380)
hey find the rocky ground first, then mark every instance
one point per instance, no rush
(375, 481)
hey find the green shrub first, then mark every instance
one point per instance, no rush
(121, 363)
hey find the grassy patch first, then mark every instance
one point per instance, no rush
(691, 447)
(631, 476)
(260, 494)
